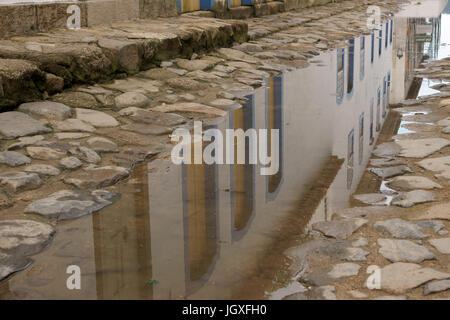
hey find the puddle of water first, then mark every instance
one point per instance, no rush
(219, 231)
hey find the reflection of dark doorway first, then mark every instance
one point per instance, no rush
(351, 66)
(350, 158)
(275, 120)
(242, 175)
(200, 207)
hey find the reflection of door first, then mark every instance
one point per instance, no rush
(361, 138)
(384, 96)
(350, 156)
(274, 119)
(243, 175)
(362, 57)
(371, 122)
(378, 127)
(340, 75)
(351, 66)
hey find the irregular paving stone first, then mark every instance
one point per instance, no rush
(73, 125)
(440, 165)
(386, 162)
(131, 99)
(69, 204)
(43, 169)
(76, 99)
(17, 124)
(135, 84)
(341, 250)
(403, 250)
(97, 177)
(11, 264)
(411, 198)
(24, 237)
(159, 74)
(100, 144)
(339, 229)
(13, 159)
(147, 129)
(186, 84)
(430, 224)
(153, 117)
(390, 172)
(444, 122)
(71, 135)
(194, 65)
(386, 149)
(96, 118)
(71, 163)
(90, 155)
(413, 182)
(126, 53)
(400, 229)
(436, 286)
(232, 54)
(441, 245)
(360, 242)
(323, 293)
(20, 181)
(438, 211)
(421, 148)
(44, 153)
(47, 109)
(362, 212)
(191, 107)
(26, 141)
(400, 277)
(344, 270)
(225, 104)
(357, 294)
(372, 198)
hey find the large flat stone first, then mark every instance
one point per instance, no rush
(100, 144)
(400, 229)
(436, 286)
(97, 177)
(10, 264)
(390, 172)
(408, 183)
(96, 118)
(372, 198)
(194, 65)
(442, 245)
(191, 107)
(20, 181)
(45, 153)
(400, 277)
(403, 250)
(339, 229)
(24, 237)
(43, 169)
(439, 211)
(73, 125)
(421, 148)
(68, 204)
(17, 124)
(13, 159)
(147, 129)
(131, 99)
(411, 198)
(386, 149)
(153, 117)
(440, 165)
(47, 109)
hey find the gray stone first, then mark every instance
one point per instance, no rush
(411, 198)
(386, 162)
(153, 117)
(100, 144)
(357, 294)
(186, 84)
(71, 163)
(225, 104)
(360, 242)
(17, 124)
(231, 54)
(400, 277)
(191, 107)
(96, 177)
(400, 229)
(441, 245)
(11, 264)
(436, 286)
(440, 165)
(158, 74)
(323, 293)
(71, 135)
(439, 211)
(47, 109)
(24, 237)
(69, 204)
(372, 198)
(390, 172)
(147, 129)
(387, 149)
(339, 229)
(413, 182)
(194, 65)
(344, 270)
(90, 155)
(20, 181)
(13, 159)
(26, 141)
(446, 130)
(421, 148)
(96, 118)
(76, 99)
(44, 153)
(43, 169)
(126, 53)
(131, 99)
(73, 125)
(430, 224)
(403, 250)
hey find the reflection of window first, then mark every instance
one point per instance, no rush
(384, 96)
(372, 53)
(362, 57)
(378, 127)
(351, 65)
(392, 30)
(388, 96)
(387, 35)
(371, 122)
(361, 137)
(350, 153)
(340, 75)
(274, 120)
(380, 40)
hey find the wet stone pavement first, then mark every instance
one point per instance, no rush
(62, 157)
